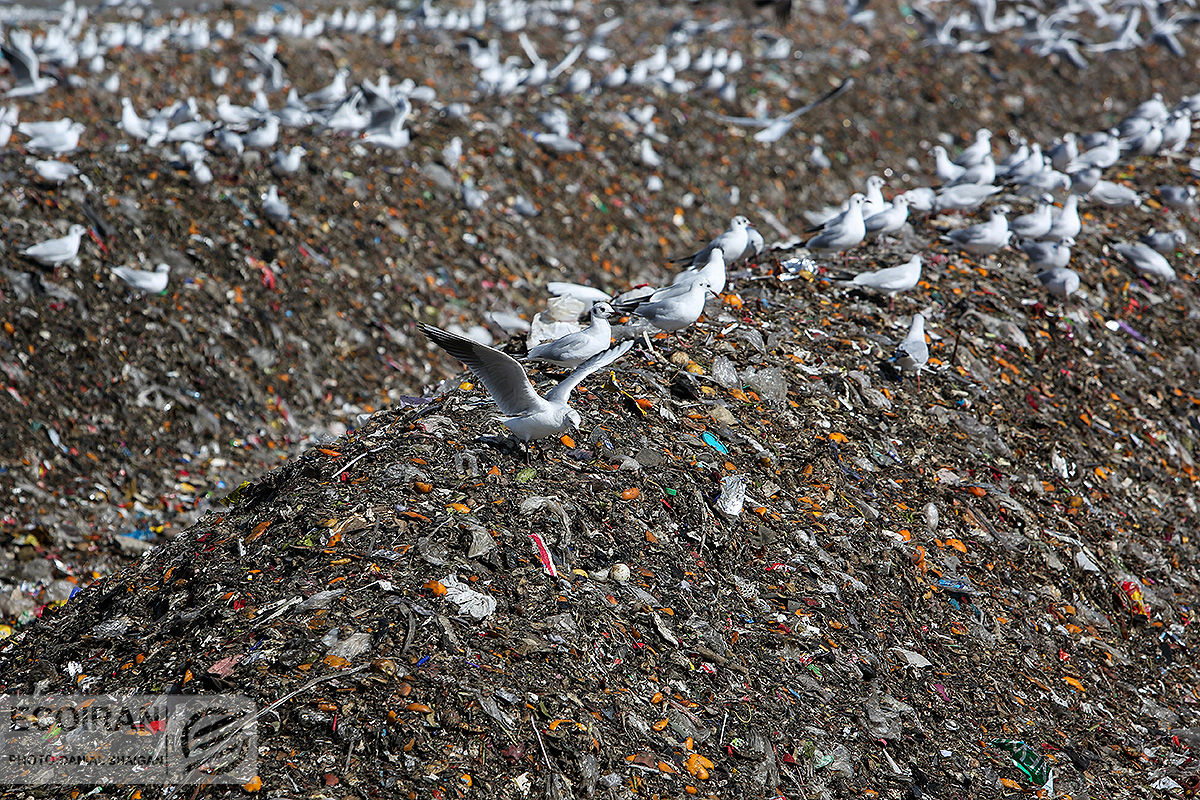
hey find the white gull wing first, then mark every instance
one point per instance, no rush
(499, 372)
(559, 394)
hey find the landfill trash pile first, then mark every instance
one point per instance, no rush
(779, 557)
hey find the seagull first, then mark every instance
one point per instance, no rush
(526, 413)
(964, 196)
(1061, 282)
(974, 153)
(873, 201)
(774, 128)
(945, 169)
(275, 207)
(892, 279)
(287, 162)
(53, 252)
(25, 66)
(1180, 197)
(1146, 261)
(54, 171)
(575, 348)
(1165, 242)
(131, 123)
(335, 92)
(983, 173)
(58, 141)
(1066, 223)
(1035, 224)
(1048, 255)
(913, 353)
(984, 237)
(732, 242)
(675, 307)
(144, 280)
(1114, 194)
(890, 219)
(712, 271)
(841, 233)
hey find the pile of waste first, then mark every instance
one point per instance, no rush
(765, 565)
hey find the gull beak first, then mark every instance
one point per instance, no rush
(96, 238)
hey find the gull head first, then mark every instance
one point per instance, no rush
(739, 222)
(573, 419)
(603, 309)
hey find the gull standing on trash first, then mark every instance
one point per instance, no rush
(892, 279)
(1165, 242)
(575, 348)
(275, 207)
(53, 252)
(841, 233)
(54, 171)
(890, 219)
(57, 140)
(1066, 224)
(1146, 261)
(676, 307)
(712, 271)
(733, 242)
(145, 280)
(985, 237)
(1061, 282)
(1047, 255)
(526, 413)
(1036, 223)
(913, 353)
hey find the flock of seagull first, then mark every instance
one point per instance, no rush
(1045, 235)
(376, 113)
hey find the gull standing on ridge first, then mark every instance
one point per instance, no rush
(913, 353)
(575, 348)
(53, 252)
(526, 413)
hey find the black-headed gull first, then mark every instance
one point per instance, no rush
(53, 252)
(575, 348)
(527, 414)
(913, 353)
(1146, 261)
(150, 282)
